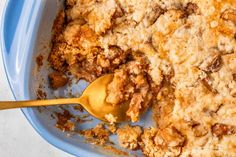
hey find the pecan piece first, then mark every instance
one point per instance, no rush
(220, 130)
(212, 63)
(207, 82)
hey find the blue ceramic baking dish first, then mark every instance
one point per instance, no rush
(26, 32)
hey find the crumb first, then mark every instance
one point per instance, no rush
(41, 94)
(39, 61)
(52, 116)
(79, 108)
(57, 80)
(82, 119)
(98, 135)
(110, 118)
(64, 122)
(112, 128)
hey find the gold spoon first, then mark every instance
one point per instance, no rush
(92, 99)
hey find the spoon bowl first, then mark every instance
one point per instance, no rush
(93, 100)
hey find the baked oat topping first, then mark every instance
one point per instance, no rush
(176, 57)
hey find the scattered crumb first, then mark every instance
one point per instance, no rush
(41, 94)
(98, 135)
(79, 108)
(81, 119)
(53, 116)
(112, 128)
(64, 122)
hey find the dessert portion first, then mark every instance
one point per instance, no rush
(176, 57)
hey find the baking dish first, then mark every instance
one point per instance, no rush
(26, 32)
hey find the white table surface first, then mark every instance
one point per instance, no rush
(17, 137)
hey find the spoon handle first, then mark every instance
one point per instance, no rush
(34, 103)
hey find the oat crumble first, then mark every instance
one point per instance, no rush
(176, 57)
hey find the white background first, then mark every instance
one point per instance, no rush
(17, 137)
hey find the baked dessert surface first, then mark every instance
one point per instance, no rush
(176, 57)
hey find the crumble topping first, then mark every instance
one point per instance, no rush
(129, 136)
(176, 57)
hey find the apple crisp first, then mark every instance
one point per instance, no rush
(177, 57)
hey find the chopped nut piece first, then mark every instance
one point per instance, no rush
(212, 64)
(220, 130)
(207, 82)
(57, 80)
